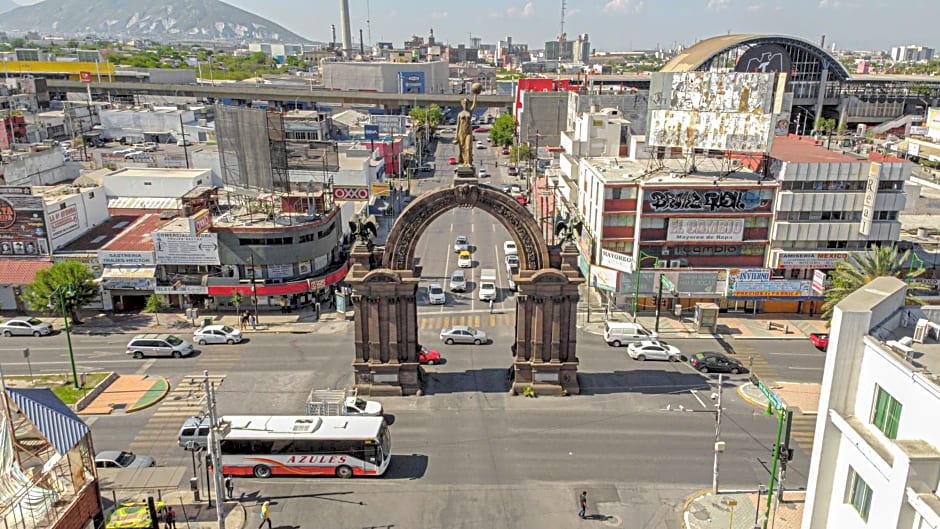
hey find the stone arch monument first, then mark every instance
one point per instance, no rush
(385, 281)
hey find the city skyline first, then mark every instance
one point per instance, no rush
(613, 25)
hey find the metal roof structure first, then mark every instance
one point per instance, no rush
(701, 55)
(52, 417)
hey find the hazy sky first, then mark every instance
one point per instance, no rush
(614, 24)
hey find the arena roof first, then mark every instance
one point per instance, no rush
(697, 56)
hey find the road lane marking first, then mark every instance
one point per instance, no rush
(699, 399)
(800, 368)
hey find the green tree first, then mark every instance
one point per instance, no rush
(826, 125)
(430, 114)
(522, 153)
(155, 305)
(237, 300)
(503, 130)
(75, 281)
(861, 269)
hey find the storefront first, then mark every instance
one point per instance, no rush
(296, 293)
(760, 292)
(128, 287)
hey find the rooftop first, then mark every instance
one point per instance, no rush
(177, 225)
(671, 171)
(159, 172)
(803, 149)
(20, 271)
(95, 238)
(137, 237)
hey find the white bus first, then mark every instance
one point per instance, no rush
(305, 445)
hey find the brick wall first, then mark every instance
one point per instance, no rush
(85, 508)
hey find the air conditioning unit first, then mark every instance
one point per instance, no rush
(675, 263)
(665, 251)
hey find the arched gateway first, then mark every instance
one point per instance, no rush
(385, 285)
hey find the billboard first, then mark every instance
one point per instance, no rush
(411, 82)
(705, 230)
(22, 223)
(617, 261)
(604, 278)
(710, 200)
(871, 193)
(63, 221)
(172, 248)
(823, 260)
(725, 111)
(756, 283)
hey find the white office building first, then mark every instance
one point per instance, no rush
(876, 459)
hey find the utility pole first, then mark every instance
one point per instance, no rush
(215, 452)
(185, 143)
(719, 446)
(254, 291)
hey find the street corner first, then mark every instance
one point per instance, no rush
(129, 393)
(689, 503)
(750, 394)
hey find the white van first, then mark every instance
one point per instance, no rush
(619, 333)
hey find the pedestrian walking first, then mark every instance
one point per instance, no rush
(582, 502)
(243, 320)
(229, 487)
(170, 518)
(264, 515)
(253, 321)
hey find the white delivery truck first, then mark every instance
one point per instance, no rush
(488, 284)
(340, 402)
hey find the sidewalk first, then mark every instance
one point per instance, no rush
(804, 397)
(730, 325)
(740, 510)
(193, 515)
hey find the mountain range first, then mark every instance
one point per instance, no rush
(160, 20)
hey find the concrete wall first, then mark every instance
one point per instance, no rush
(69, 218)
(383, 76)
(207, 159)
(326, 238)
(632, 107)
(40, 168)
(121, 185)
(544, 113)
(133, 123)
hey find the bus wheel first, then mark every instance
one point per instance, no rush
(344, 472)
(262, 471)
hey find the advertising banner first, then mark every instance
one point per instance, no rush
(756, 283)
(411, 82)
(128, 258)
(705, 230)
(381, 190)
(697, 283)
(350, 193)
(617, 261)
(705, 200)
(22, 223)
(184, 249)
(604, 278)
(871, 192)
(280, 271)
(200, 222)
(63, 221)
(819, 281)
(824, 260)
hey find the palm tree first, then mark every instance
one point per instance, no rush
(861, 269)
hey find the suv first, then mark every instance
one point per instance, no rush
(458, 281)
(158, 345)
(194, 434)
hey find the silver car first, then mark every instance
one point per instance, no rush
(217, 334)
(25, 327)
(158, 345)
(461, 244)
(122, 459)
(458, 281)
(463, 334)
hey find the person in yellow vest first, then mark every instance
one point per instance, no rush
(264, 515)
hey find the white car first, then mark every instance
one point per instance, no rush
(461, 244)
(465, 260)
(217, 334)
(482, 173)
(25, 327)
(480, 145)
(509, 248)
(487, 291)
(436, 294)
(654, 350)
(512, 260)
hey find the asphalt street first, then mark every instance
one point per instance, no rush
(467, 454)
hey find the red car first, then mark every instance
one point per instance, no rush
(428, 356)
(506, 150)
(820, 340)
(520, 198)
(452, 161)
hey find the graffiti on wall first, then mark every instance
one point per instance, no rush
(707, 200)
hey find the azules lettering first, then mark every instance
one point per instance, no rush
(706, 200)
(312, 460)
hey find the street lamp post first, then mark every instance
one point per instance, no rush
(254, 291)
(636, 281)
(61, 292)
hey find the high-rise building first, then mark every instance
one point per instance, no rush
(911, 53)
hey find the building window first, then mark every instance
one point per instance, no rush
(619, 220)
(887, 413)
(859, 494)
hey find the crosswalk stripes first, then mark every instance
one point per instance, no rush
(482, 321)
(757, 364)
(185, 400)
(803, 431)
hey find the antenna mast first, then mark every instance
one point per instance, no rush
(562, 34)
(369, 23)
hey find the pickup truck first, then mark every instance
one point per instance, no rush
(339, 402)
(488, 284)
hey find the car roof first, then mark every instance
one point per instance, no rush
(464, 252)
(152, 336)
(108, 454)
(432, 285)
(217, 327)
(458, 272)
(461, 238)
(649, 342)
(458, 328)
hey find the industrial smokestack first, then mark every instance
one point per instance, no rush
(333, 36)
(347, 36)
(362, 46)
(822, 42)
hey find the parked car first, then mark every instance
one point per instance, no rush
(716, 363)
(511, 261)
(452, 161)
(217, 334)
(463, 334)
(25, 327)
(509, 248)
(480, 145)
(513, 170)
(505, 150)
(654, 350)
(194, 433)
(122, 459)
(458, 281)
(461, 244)
(183, 143)
(158, 345)
(436, 294)
(512, 189)
(820, 340)
(521, 199)
(428, 356)
(133, 154)
(464, 259)
(482, 173)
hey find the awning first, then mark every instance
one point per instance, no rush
(54, 420)
(129, 272)
(282, 289)
(20, 272)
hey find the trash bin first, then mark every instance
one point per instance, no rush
(194, 486)
(206, 321)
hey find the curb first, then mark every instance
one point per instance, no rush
(685, 506)
(749, 400)
(239, 505)
(166, 390)
(736, 337)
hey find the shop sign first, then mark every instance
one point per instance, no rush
(128, 283)
(821, 260)
(181, 289)
(584, 266)
(63, 221)
(871, 193)
(705, 230)
(173, 248)
(617, 261)
(200, 222)
(697, 283)
(280, 271)
(22, 223)
(381, 190)
(705, 200)
(648, 282)
(819, 281)
(756, 283)
(127, 258)
(586, 245)
(604, 278)
(350, 193)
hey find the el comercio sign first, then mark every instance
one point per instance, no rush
(7, 214)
